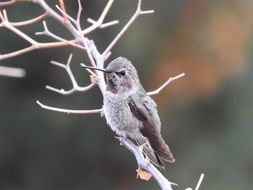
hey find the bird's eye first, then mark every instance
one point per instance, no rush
(122, 72)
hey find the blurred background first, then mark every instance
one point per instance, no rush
(207, 116)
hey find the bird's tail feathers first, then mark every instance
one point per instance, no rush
(149, 152)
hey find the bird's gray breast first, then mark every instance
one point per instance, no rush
(118, 115)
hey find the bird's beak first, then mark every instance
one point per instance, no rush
(95, 68)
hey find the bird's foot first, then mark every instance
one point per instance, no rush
(120, 138)
(141, 147)
(102, 114)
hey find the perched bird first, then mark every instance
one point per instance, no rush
(131, 113)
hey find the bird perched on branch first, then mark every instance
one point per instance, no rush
(131, 112)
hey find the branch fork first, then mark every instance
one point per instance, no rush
(75, 86)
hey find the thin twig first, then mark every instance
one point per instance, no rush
(7, 3)
(58, 38)
(12, 72)
(27, 22)
(32, 48)
(100, 21)
(75, 86)
(48, 11)
(199, 182)
(124, 29)
(6, 23)
(62, 5)
(48, 33)
(157, 91)
(69, 111)
(83, 39)
(71, 91)
(60, 19)
(102, 26)
(65, 14)
(34, 44)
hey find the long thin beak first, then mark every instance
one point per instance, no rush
(95, 68)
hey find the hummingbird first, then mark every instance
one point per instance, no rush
(131, 113)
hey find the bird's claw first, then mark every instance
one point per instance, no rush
(120, 139)
(102, 113)
(141, 147)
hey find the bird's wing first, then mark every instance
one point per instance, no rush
(144, 109)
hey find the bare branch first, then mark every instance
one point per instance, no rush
(34, 44)
(199, 182)
(78, 17)
(157, 91)
(27, 22)
(103, 25)
(34, 47)
(69, 111)
(100, 64)
(16, 53)
(47, 32)
(77, 33)
(145, 164)
(59, 18)
(84, 40)
(95, 24)
(6, 23)
(71, 91)
(7, 3)
(99, 22)
(62, 5)
(50, 12)
(124, 29)
(66, 15)
(12, 72)
(54, 36)
(75, 86)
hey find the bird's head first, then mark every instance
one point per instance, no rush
(121, 76)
